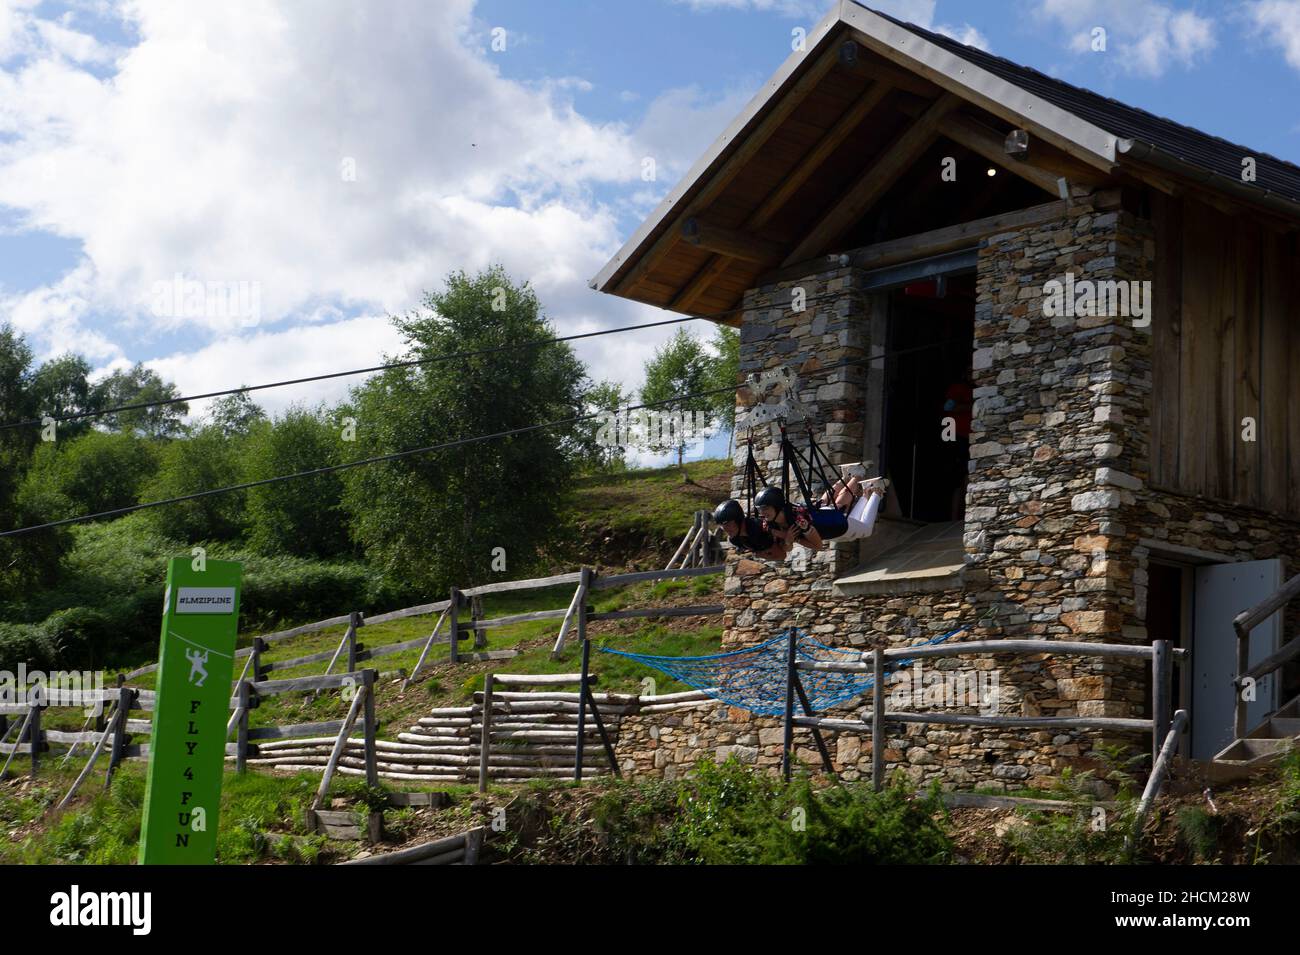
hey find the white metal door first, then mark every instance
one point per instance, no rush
(1222, 592)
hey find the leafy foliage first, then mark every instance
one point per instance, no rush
(305, 516)
(434, 518)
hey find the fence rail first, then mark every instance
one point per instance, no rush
(1160, 654)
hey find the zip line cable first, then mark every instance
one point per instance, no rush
(117, 512)
(415, 362)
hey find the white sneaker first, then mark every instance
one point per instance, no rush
(876, 483)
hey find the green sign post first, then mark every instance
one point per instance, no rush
(196, 662)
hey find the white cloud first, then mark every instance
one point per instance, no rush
(965, 34)
(1278, 22)
(1147, 37)
(216, 150)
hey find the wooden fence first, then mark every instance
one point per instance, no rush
(329, 744)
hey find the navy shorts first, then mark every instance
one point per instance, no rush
(829, 522)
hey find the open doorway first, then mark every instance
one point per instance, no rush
(930, 341)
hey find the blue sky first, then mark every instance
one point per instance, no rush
(147, 140)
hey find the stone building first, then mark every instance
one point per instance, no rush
(896, 214)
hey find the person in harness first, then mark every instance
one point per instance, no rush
(748, 533)
(851, 517)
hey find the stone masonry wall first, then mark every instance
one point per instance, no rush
(1051, 506)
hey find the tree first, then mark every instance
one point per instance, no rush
(84, 475)
(435, 519)
(141, 385)
(61, 387)
(679, 367)
(205, 460)
(29, 560)
(604, 450)
(305, 516)
(234, 415)
(724, 373)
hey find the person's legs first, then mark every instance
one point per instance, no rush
(862, 519)
(847, 493)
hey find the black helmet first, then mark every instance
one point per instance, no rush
(728, 511)
(770, 497)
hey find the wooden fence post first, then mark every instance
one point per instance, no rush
(792, 637)
(878, 719)
(372, 763)
(476, 617)
(1161, 688)
(34, 734)
(241, 741)
(126, 701)
(453, 612)
(485, 741)
(583, 583)
(354, 621)
(255, 662)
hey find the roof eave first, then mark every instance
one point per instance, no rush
(753, 109)
(1136, 151)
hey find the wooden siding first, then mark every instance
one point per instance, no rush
(1226, 346)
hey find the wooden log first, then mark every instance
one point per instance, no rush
(983, 801)
(579, 601)
(294, 729)
(878, 720)
(241, 738)
(1158, 771)
(339, 745)
(453, 618)
(623, 580)
(85, 770)
(420, 611)
(371, 726)
(413, 854)
(1021, 722)
(680, 552)
(1161, 695)
(493, 623)
(509, 586)
(701, 611)
(1113, 650)
(330, 681)
(486, 738)
(279, 635)
(538, 679)
(274, 665)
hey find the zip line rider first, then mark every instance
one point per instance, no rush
(748, 533)
(851, 517)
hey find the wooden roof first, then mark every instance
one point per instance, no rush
(843, 147)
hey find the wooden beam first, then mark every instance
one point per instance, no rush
(980, 98)
(925, 244)
(789, 185)
(732, 165)
(735, 243)
(986, 142)
(875, 181)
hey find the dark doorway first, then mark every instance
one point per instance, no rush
(1168, 608)
(931, 329)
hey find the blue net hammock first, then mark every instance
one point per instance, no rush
(754, 678)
